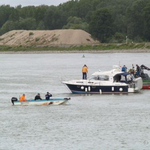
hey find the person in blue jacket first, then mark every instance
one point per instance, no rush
(48, 95)
(124, 68)
(38, 97)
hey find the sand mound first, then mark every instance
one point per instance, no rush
(47, 38)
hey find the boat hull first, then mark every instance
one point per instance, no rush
(146, 84)
(83, 89)
(146, 80)
(52, 101)
(113, 81)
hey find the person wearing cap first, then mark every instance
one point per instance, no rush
(48, 95)
(84, 72)
(124, 69)
(138, 70)
(38, 97)
(22, 98)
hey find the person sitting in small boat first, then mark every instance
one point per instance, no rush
(22, 98)
(38, 97)
(48, 95)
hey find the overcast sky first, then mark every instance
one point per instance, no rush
(31, 2)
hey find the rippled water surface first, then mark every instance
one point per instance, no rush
(87, 122)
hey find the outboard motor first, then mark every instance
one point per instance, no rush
(13, 99)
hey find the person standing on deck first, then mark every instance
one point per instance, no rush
(124, 69)
(137, 70)
(84, 72)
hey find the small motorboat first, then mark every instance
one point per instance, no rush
(145, 77)
(113, 81)
(52, 101)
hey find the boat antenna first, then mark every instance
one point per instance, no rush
(119, 65)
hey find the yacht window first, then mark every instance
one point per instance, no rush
(103, 77)
(100, 77)
(123, 79)
(117, 78)
(92, 78)
(129, 77)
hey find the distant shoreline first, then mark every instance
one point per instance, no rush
(77, 51)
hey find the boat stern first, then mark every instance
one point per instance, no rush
(138, 83)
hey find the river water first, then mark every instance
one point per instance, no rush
(87, 122)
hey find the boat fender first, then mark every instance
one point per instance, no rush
(13, 99)
(120, 89)
(100, 91)
(85, 89)
(112, 88)
(89, 88)
(82, 87)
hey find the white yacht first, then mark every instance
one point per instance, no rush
(113, 81)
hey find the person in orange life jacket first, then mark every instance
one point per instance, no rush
(38, 97)
(22, 98)
(48, 95)
(84, 72)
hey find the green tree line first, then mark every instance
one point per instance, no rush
(106, 20)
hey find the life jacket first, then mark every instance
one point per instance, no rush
(22, 98)
(85, 69)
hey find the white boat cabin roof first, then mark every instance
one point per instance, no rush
(107, 73)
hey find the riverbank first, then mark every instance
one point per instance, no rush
(77, 51)
(98, 48)
(63, 41)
